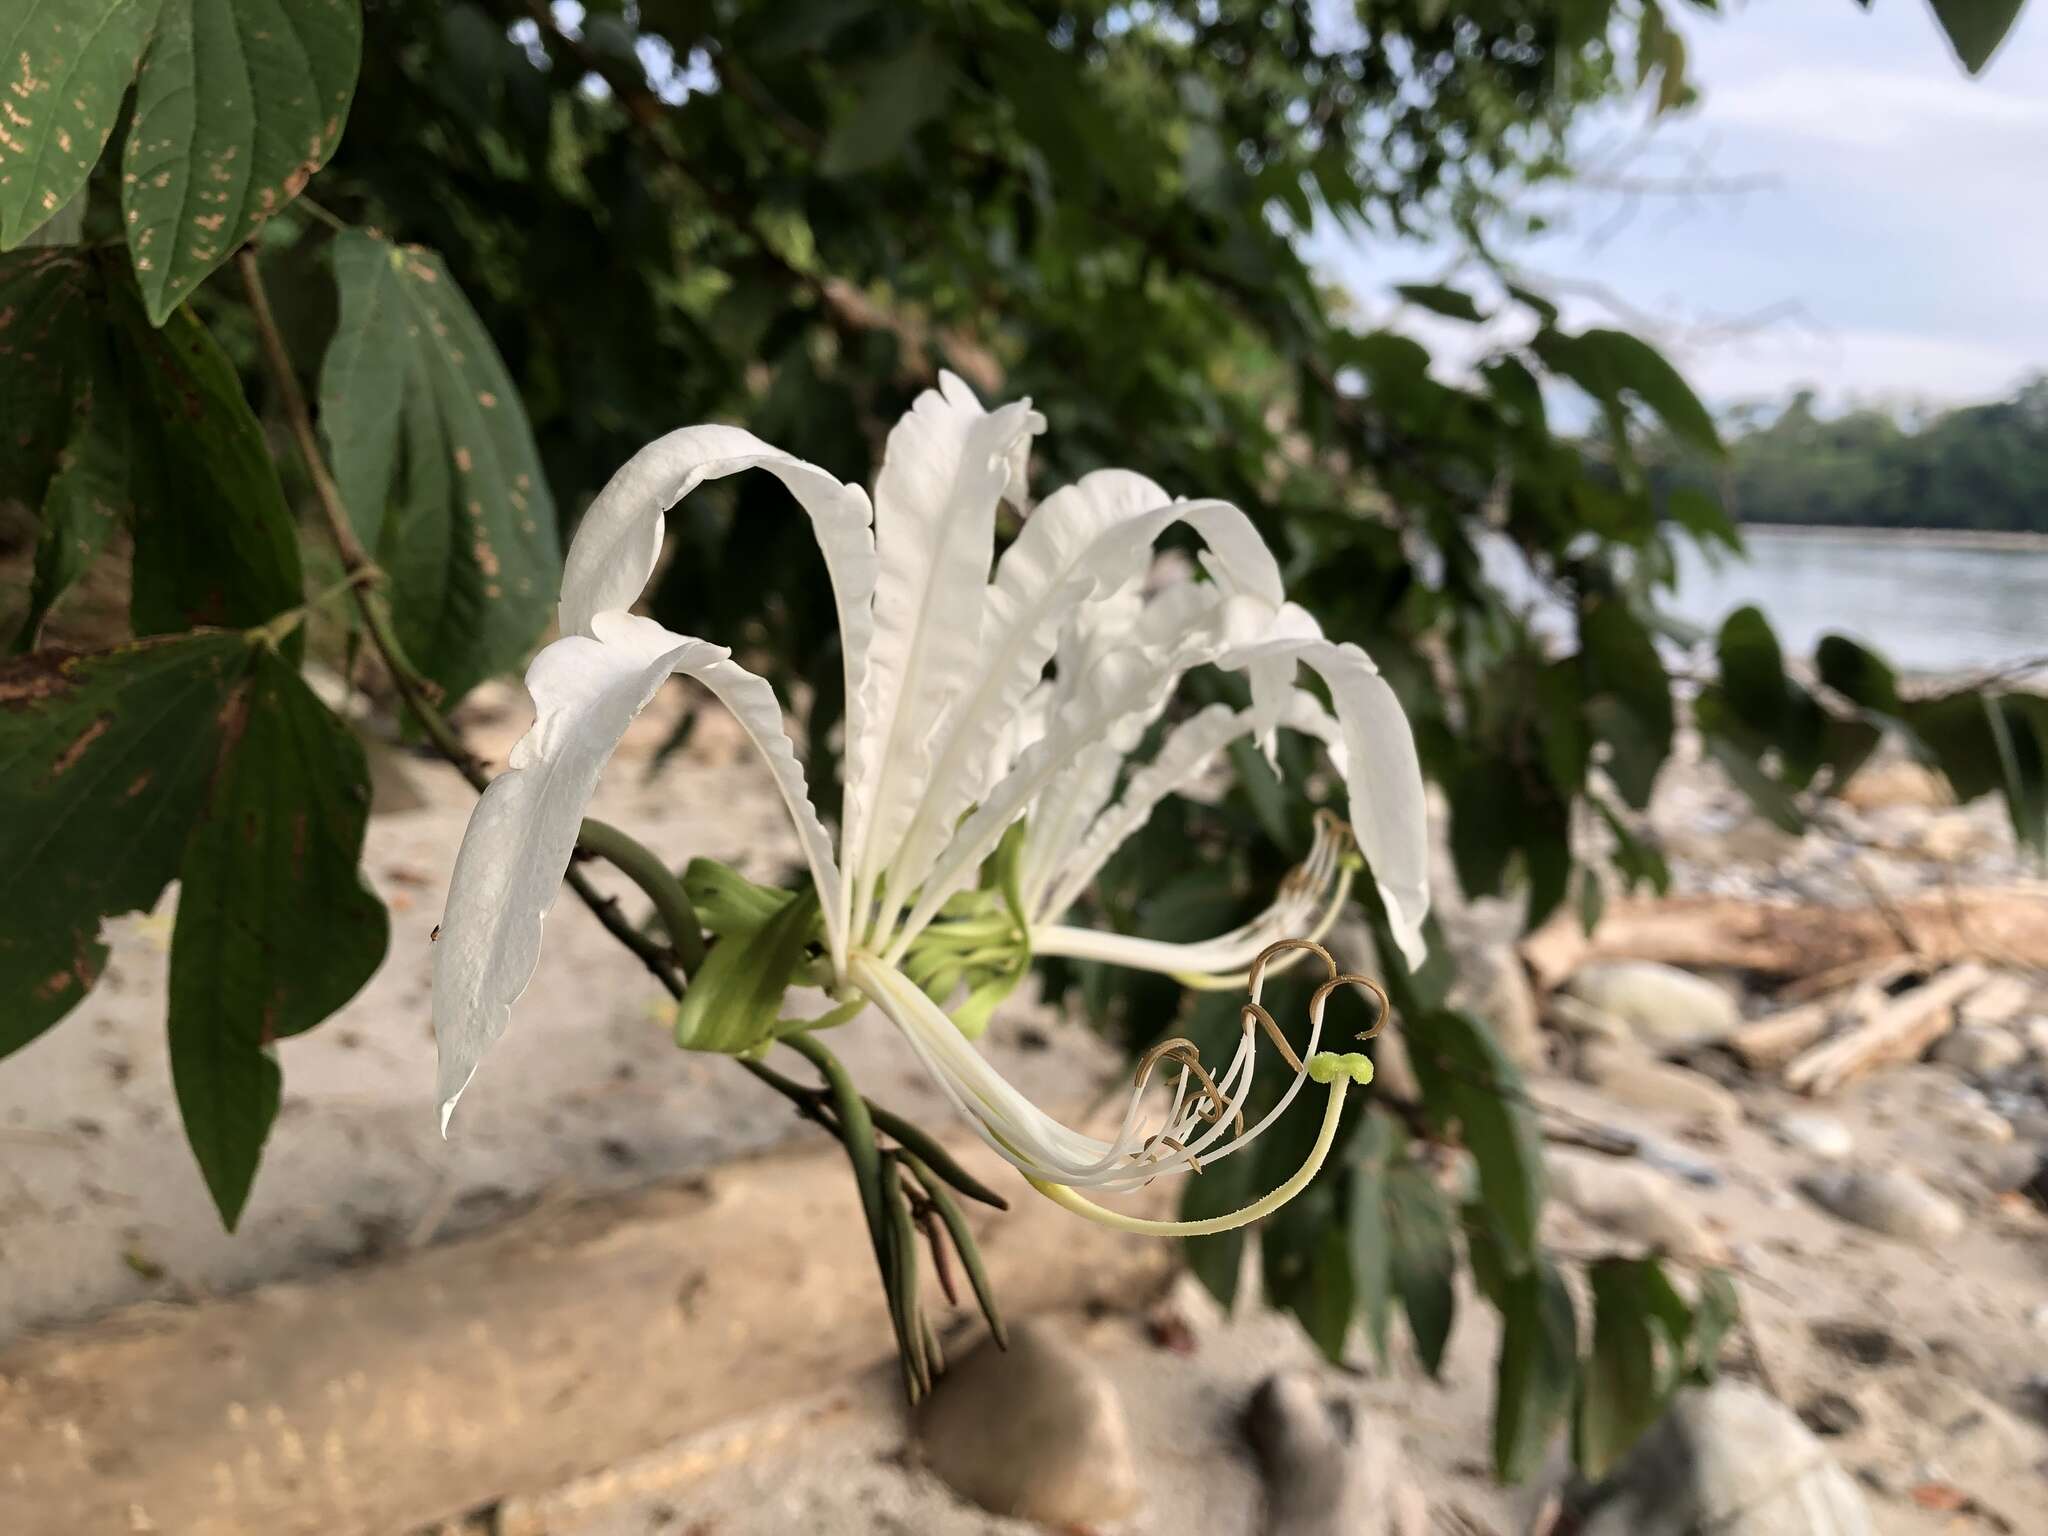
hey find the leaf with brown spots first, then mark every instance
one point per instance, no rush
(214, 542)
(64, 65)
(436, 464)
(238, 104)
(276, 929)
(75, 733)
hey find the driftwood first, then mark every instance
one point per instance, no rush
(391, 1397)
(1897, 1030)
(2000, 927)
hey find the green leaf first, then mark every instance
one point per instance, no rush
(87, 496)
(1466, 1080)
(1714, 1312)
(1857, 673)
(1610, 365)
(1619, 1392)
(436, 464)
(67, 66)
(104, 762)
(1975, 28)
(1322, 1299)
(1770, 798)
(214, 541)
(891, 101)
(1451, 303)
(1534, 1374)
(1752, 669)
(239, 102)
(734, 1002)
(1422, 1259)
(1379, 1142)
(1217, 1190)
(275, 928)
(727, 902)
(1628, 694)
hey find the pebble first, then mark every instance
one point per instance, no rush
(1815, 1134)
(1981, 1050)
(1669, 1010)
(1633, 1203)
(1636, 1080)
(1830, 1413)
(1493, 986)
(2035, 1032)
(1888, 1200)
(1035, 1431)
(1730, 1460)
(1329, 1469)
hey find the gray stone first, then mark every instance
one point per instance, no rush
(1582, 1021)
(1730, 1460)
(1329, 1470)
(1669, 1010)
(1981, 1050)
(1628, 1078)
(1635, 1204)
(1036, 1431)
(1817, 1135)
(1888, 1200)
(2035, 1030)
(1493, 986)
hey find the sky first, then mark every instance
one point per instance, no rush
(1863, 218)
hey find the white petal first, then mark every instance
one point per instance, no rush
(619, 540)
(586, 692)
(947, 464)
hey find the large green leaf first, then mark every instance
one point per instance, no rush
(1975, 28)
(64, 66)
(1466, 1080)
(1538, 1361)
(1610, 365)
(238, 104)
(436, 464)
(1628, 696)
(890, 102)
(67, 448)
(214, 541)
(275, 928)
(104, 762)
(1752, 669)
(1422, 1259)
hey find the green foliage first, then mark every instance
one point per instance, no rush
(239, 102)
(1974, 467)
(436, 465)
(795, 228)
(199, 757)
(275, 928)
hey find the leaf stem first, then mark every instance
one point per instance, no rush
(639, 864)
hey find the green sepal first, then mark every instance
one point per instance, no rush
(734, 1003)
(728, 903)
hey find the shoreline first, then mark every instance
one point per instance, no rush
(1953, 538)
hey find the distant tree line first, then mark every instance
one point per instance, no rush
(1977, 467)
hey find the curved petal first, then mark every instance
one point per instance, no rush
(586, 689)
(947, 464)
(619, 540)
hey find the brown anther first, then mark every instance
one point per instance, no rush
(1280, 947)
(1352, 979)
(1186, 1053)
(1252, 1011)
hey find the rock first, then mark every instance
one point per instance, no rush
(1035, 1431)
(1582, 1021)
(1896, 781)
(2007, 1168)
(1887, 1200)
(1830, 1413)
(1493, 986)
(1817, 1135)
(1329, 1471)
(1630, 1079)
(1632, 1202)
(1729, 1460)
(1860, 1343)
(1951, 837)
(1669, 1010)
(1981, 1050)
(2035, 1031)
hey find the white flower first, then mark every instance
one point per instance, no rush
(955, 736)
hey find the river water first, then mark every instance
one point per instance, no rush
(1928, 606)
